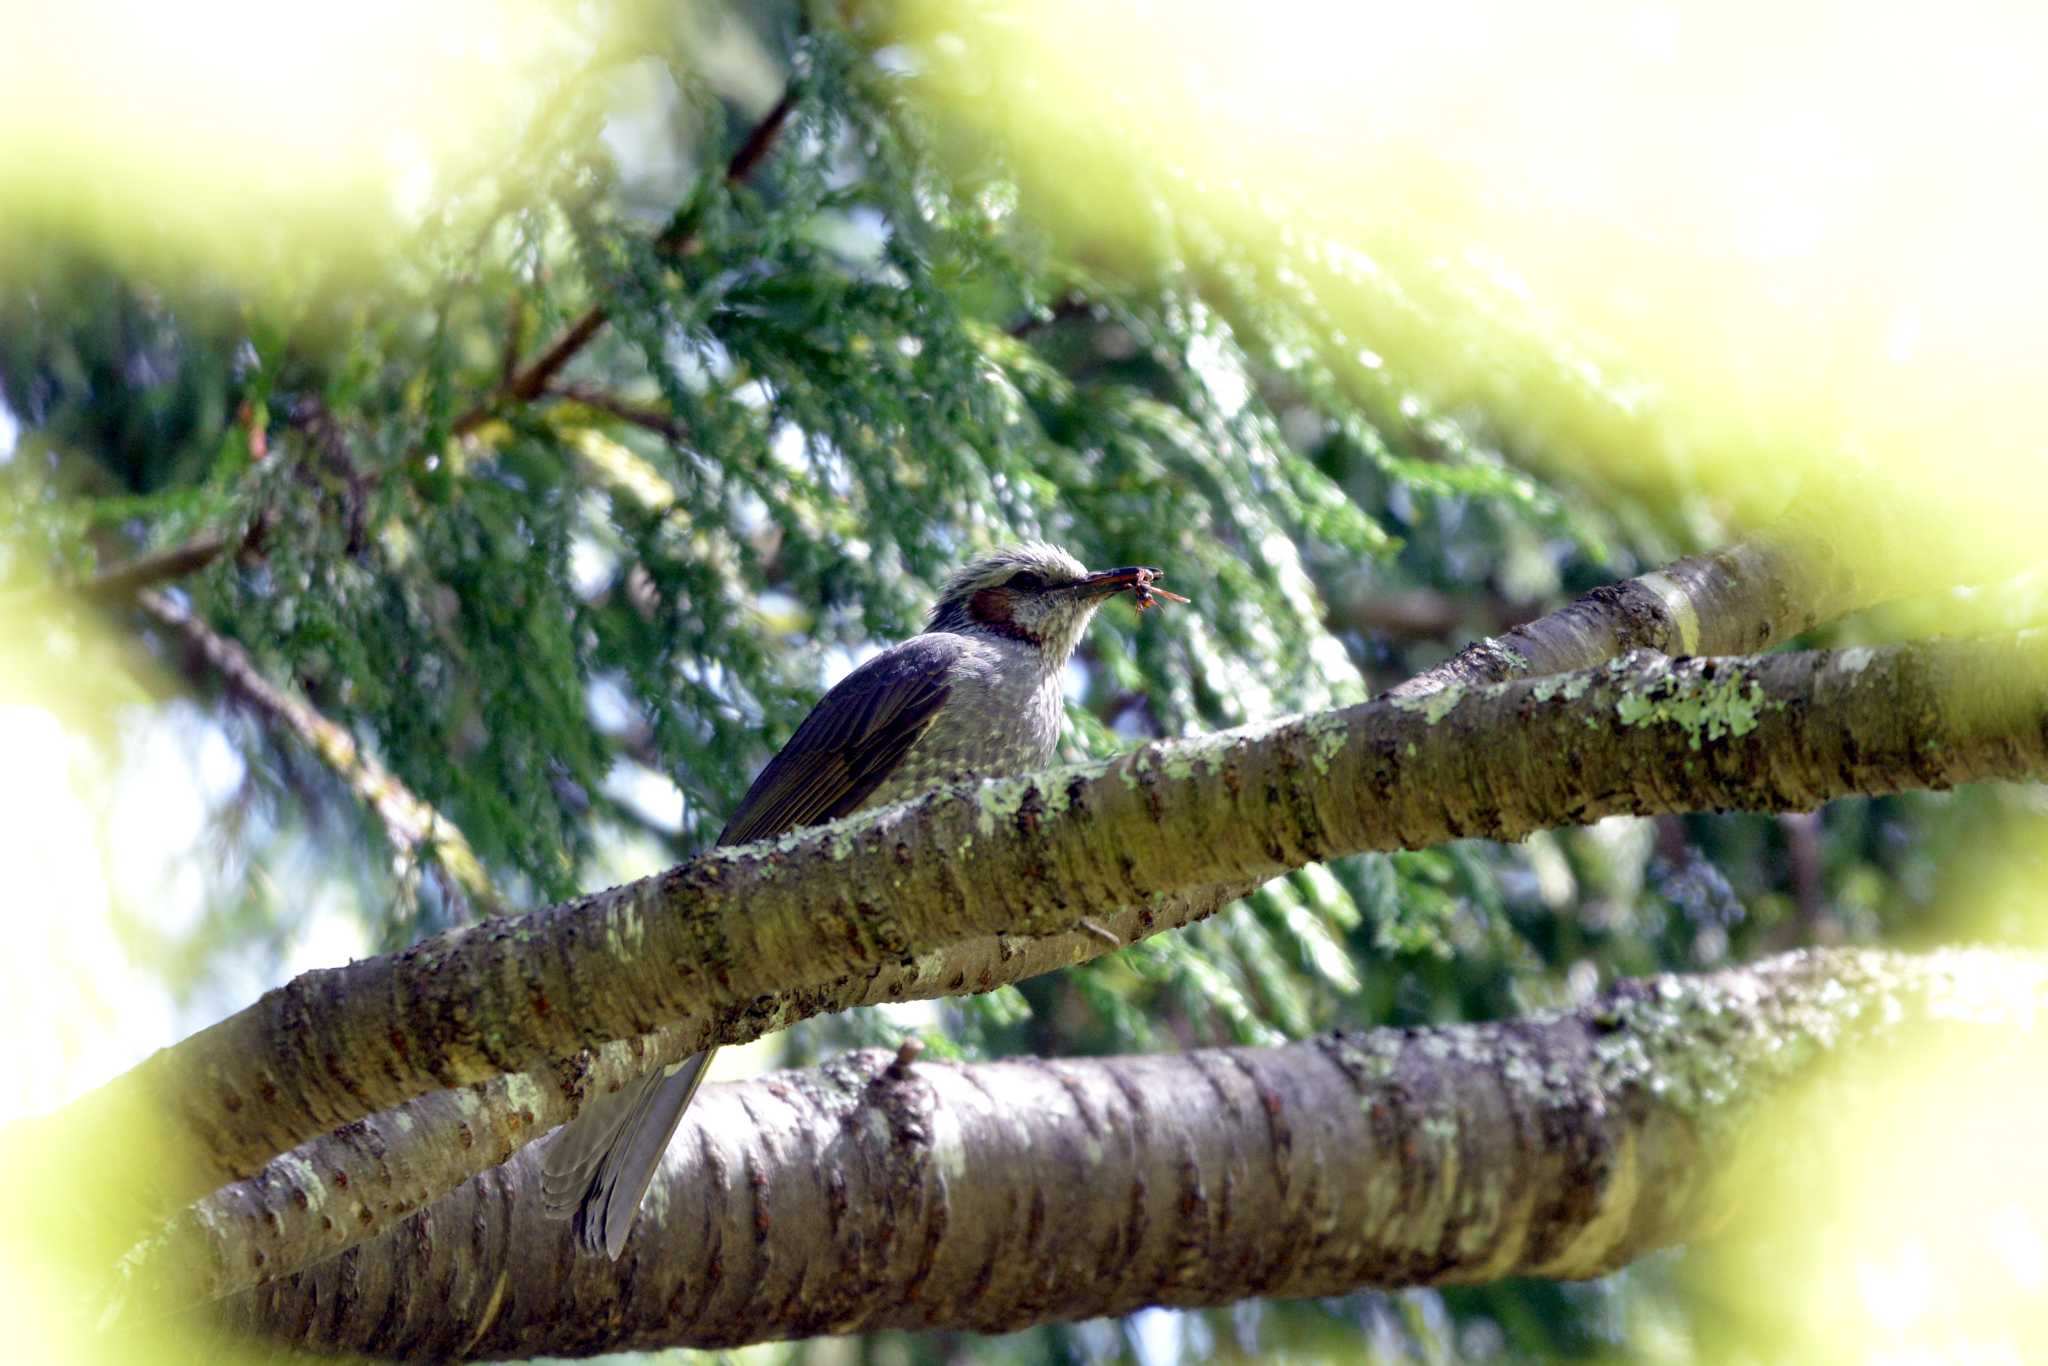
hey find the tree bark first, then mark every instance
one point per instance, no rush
(761, 929)
(870, 1194)
(1739, 600)
(340, 1189)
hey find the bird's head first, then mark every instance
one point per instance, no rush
(1034, 593)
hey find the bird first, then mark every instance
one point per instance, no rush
(976, 694)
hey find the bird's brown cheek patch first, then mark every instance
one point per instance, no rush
(992, 608)
(990, 605)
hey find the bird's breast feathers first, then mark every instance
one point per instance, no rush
(1001, 716)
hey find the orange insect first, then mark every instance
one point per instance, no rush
(1147, 591)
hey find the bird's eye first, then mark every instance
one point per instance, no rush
(1026, 582)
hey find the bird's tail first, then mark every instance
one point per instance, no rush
(599, 1165)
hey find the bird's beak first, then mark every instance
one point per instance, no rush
(1110, 582)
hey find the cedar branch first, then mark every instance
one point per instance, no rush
(413, 825)
(532, 379)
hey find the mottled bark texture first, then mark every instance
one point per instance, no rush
(1740, 600)
(740, 929)
(868, 1194)
(336, 1191)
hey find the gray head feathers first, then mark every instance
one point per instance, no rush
(1025, 593)
(1054, 567)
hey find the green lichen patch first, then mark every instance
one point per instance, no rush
(1432, 707)
(1199, 754)
(305, 1178)
(1366, 1058)
(1728, 704)
(998, 800)
(1327, 735)
(524, 1095)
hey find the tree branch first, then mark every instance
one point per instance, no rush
(637, 414)
(116, 585)
(413, 826)
(868, 1194)
(528, 382)
(748, 929)
(342, 1188)
(1740, 600)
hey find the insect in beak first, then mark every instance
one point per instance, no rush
(1141, 580)
(1148, 592)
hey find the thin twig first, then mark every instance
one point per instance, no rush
(113, 585)
(604, 401)
(755, 149)
(1096, 930)
(528, 383)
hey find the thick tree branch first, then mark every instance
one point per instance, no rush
(1740, 600)
(414, 827)
(867, 1194)
(740, 929)
(342, 1188)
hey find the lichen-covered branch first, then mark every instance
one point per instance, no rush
(740, 929)
(1743, 599)
(341, 1189)
(414, 827)
(871, 1194)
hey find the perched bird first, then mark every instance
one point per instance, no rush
(977, 694)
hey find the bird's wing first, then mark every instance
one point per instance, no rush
(851, 741)
(599, 1165)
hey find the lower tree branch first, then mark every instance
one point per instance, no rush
(343, 1188)
(1036, 855)
(869, 1195)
